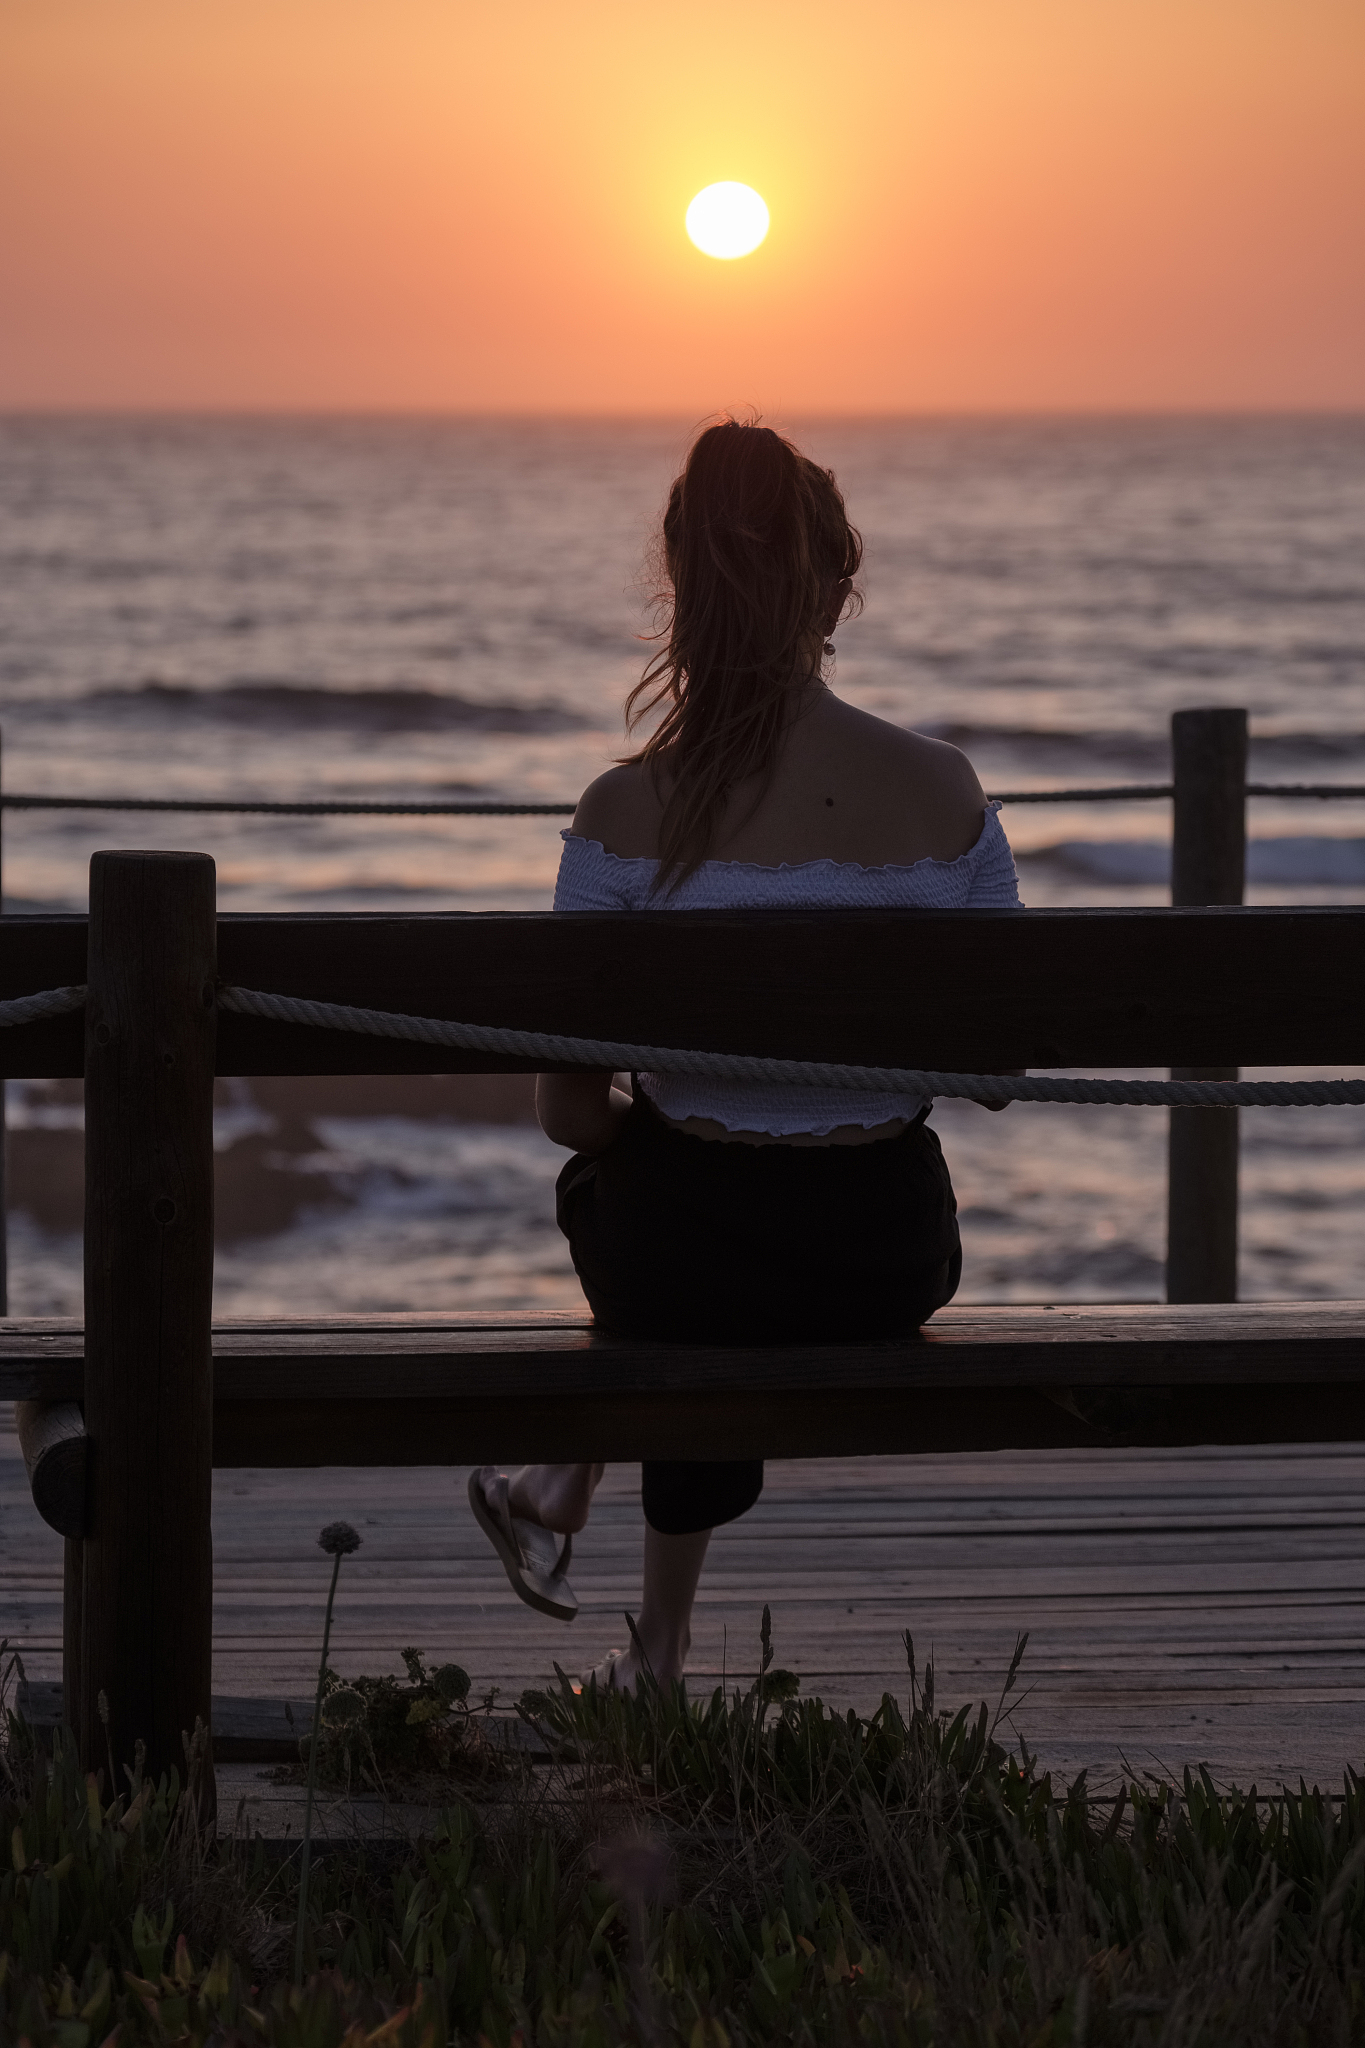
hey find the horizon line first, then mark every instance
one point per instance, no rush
(672, 416)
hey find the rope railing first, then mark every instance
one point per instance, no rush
(18, 802)
(52, 1002)
(559, 1049)
(1125, 792)
(556, 1048)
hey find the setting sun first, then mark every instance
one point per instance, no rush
(727, 220)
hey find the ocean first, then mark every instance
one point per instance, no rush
(430, 608)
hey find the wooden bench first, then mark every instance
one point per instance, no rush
(165, 1395)
(466, 1389)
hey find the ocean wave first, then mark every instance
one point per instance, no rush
(1059, 752)
(302, 707)
(1056, 751)
(1300, 860)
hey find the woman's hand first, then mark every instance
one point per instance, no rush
(583, 1111)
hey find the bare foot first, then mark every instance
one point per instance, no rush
(619, 1671)
(556, 1497)
(520, 1501)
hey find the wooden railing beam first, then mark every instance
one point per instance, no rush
(958, 990)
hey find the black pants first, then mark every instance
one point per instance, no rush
(679, 1237)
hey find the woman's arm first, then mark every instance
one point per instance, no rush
(582, 1111)
(1010, 1074)
(995, 886)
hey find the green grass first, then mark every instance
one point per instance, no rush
(733, 1870)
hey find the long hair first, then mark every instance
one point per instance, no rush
(756, 542)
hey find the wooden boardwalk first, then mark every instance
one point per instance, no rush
(1182, 1606)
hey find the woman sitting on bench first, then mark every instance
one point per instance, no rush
(725, 1210)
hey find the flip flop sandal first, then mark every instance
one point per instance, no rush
(605, 1673)
(531, 1556)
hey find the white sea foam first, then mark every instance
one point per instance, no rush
(1299, 860)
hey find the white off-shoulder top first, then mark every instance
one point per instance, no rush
(590, 878)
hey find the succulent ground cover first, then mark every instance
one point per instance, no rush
(728, 1870)
(402, 1737)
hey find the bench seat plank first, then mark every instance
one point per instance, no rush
(411, 1357)
(425, 1390)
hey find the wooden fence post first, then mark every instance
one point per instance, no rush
(1209, 757)
(144, 1666)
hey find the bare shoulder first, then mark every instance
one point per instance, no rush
(933, 763)
(908, 773)
(621, 810)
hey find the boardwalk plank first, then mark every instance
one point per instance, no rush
(1182, 1605)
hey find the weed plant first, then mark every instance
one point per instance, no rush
(737, 1870)
(393, 1735)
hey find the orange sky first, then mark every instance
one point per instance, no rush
(478, 204)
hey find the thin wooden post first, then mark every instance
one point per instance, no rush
(73, 1626)
(145, 1661)
(1209, 756)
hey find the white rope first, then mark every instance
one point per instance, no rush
(1114, 792)
(52, 1002)
(553, 1049)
